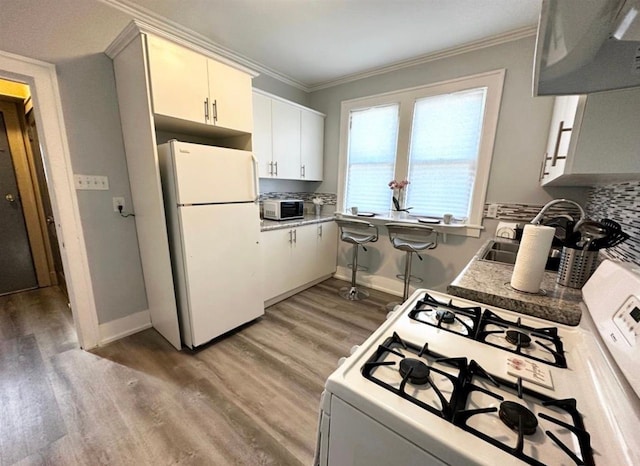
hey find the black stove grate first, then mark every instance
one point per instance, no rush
(454, 409)
(546, 338)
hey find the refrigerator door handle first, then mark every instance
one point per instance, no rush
(255, 178)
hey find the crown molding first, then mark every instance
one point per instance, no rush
(147, 21)
(510, 36)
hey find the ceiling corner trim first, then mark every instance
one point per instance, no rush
(146, 20)
(509, 36)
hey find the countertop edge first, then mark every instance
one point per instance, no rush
(270, 225)
(488, 283)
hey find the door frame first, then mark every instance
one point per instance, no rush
(41, 78)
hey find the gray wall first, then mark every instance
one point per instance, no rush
(521, 138)
(92, 119)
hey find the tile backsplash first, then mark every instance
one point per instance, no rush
(327, 198)
(619, 202)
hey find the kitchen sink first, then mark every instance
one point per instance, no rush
(505, 253)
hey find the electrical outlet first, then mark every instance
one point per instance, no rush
(492, 211)
(117, 202)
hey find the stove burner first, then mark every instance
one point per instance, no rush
(419, 371)
(446, 317)
(510, 413)
(518, 338)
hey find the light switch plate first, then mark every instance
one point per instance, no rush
(91, 182)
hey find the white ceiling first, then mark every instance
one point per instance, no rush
(311, 43)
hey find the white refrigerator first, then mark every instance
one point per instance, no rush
(213, 220)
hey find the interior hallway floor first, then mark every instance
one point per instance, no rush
(250, 398)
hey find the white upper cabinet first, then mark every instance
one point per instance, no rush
(262, 140)
(179, 82)
(311, 145)
(192, 87)
(288, 139)
(593, 138)
(285, 125)
(230, 97)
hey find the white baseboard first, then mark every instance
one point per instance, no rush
(388, 285)
(283, 296)
(125, 326)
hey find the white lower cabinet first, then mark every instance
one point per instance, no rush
(293, 257)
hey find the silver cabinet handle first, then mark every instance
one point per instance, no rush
(276, 165)
(9, 197)
(291, 236)
(215, 111)
(320, 231)
(295, 236)
(561, 129)
(271, 168)
(206, 109)
(304, 171)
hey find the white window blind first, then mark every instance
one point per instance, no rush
(373, 139)
(444, 151)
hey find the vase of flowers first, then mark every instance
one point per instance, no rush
(398, 188)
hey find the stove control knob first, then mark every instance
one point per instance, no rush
(353, 349)
(341, 361)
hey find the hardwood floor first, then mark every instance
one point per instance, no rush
(250, 398)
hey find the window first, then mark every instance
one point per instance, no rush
(373, 138)
(439, 137)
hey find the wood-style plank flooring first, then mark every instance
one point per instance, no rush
(250, 398)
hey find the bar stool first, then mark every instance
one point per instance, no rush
(410, 239)
(358, 233)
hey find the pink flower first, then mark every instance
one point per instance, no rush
(393, 184)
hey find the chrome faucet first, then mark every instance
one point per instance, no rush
(538, 218)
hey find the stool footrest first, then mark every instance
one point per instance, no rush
(412, 278)
(353, 294)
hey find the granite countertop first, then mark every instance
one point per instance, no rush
(488, 282)
(309, 219)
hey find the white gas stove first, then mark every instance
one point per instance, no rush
(447, 381)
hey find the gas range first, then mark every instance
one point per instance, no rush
(449, 381)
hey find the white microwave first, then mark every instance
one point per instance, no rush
(283, 209)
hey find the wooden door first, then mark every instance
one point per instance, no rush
(52, 244)
(16, 262)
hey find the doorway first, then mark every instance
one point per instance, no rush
(29, 252)
(43, 82)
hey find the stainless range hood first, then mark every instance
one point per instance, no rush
(586, 46)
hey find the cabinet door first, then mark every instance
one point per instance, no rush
(276, 262)
(178, 78)
(285, 124)
(230, 96)
(311, 145)
(304, 255)
(561, 132)
(327, 248)
(261, 137)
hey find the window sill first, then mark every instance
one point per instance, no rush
(458, 229)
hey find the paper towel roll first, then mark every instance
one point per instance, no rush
(532, 257)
